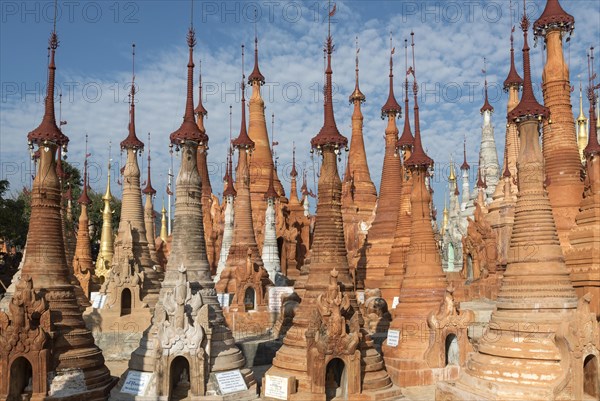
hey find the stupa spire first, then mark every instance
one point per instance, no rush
(329, 133)
(200, 111)
(391, 106)
(513, 78)
(528, 107)
(486, 104)
(465, 165)
(593, 147)
(356, 95)
(47, 130)
(418, 157)
(255, 75)
(406, 139)
(189, 130)
(380, 236)
(106, 252)
(149, 190)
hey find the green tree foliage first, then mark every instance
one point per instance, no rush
(15, 213)
(14, 221)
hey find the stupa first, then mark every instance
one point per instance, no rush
(132, 287)
(46, 352)
(561, 155)
(381, 234)
(426, 318)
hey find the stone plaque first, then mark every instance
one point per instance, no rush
(276, 295)
(395, 302)
(279, 387)
(393, 338)
(136, 382)
(223, 299)
(360, 297)
(231, 382)
(98, 300)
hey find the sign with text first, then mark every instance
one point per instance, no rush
(136, 382)
(393, 338)
(231, 382)
(98, 300)
(276, 387)
(223, 299)
(276, 295)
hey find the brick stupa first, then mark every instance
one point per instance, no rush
(132, 287)
(83, 266)
(46, 352)
(260, 165)
(359, 197)
(394, 272)
(243, 226)
(425, 316)
(502, 209)
(327, 351)
(381, 234)
(188, 340)
(561, 155)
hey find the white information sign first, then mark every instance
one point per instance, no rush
(276, 295)
(231, 382)
(276, 387)
(136, 382)
(393, 338)
(223, 299)
(395, 302)
(98, 300)
(360, 296)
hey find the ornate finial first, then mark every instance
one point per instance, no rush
(200, 110)
(406, 140)
(391, 106)
(486, 105)
(465, 165)
(191, 36)
(84, 198)
(357, 95)
(256, 75)
(294, 172)
(593, 147)
(132, 141)
(189, 130)
(528, 107)
(47, 131)
(243, 141)
(418, 159)
(148, 190)
(329, 134)
(513, 78)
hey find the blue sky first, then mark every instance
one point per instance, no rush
(94, 72)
